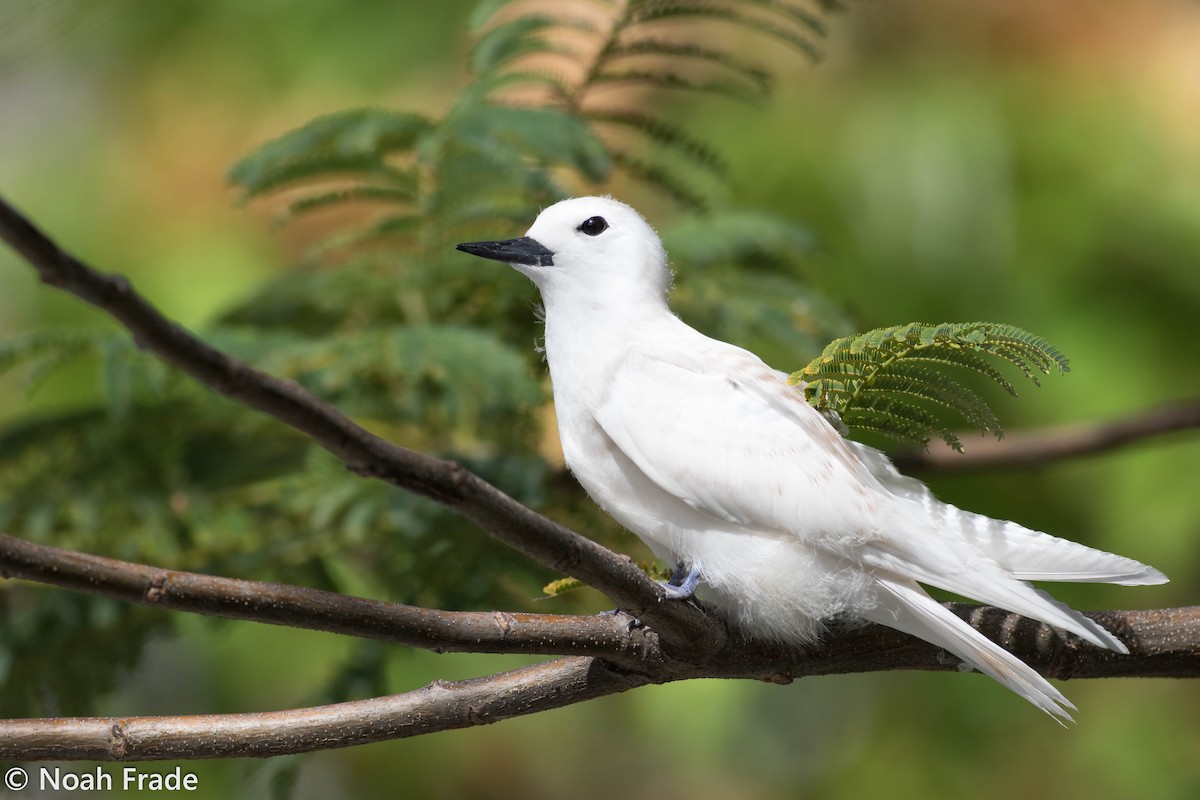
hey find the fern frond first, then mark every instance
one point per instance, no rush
(660, 79)
(946, 393)
(800, 15)
(42, 354)
(516, 39)
(663, 179)
(532, 142)
(865, 378)
(348, 142)
(749, 239)
(125, 372)
(966, 359)
(351, 194)
(394, 226)
(912, 378)
(27, 347)
(481, 14)
(635, 43)
(542, 76)
(552, 136)
(686, 50)
(664, 133)
(898, 420)
(657, 12)
(302, 171)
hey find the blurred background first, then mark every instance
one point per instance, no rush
(1014, 161)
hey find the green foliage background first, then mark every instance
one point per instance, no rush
(1031, 165)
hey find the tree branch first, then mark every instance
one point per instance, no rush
(446, 482)
(1163, 643)
(610, 635)
(1035, 448)
(440, 706)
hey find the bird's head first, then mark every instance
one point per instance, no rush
(591, 247)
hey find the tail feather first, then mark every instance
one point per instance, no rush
(944, 564)
(905, 607)
(989, 560)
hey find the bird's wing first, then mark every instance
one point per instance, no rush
(1026, 554)
(721, 431)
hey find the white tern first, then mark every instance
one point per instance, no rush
(722, 467)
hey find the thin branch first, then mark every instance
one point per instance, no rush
(609, 635)
(446, 482)
(440, 706)
(1036, 448)
(1164, 642)
(1161, 643)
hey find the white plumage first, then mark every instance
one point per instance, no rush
(709, 456)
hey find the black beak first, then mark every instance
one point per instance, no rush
(513, 251)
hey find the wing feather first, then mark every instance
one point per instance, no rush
(764, 460)
(1026, 554)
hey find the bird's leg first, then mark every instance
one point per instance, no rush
(683, 581)
(681, 586)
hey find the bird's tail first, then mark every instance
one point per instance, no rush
(989, 560)
(905, 606)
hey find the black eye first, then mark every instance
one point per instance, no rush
(593, 226)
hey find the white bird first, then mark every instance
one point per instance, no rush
(720, 466)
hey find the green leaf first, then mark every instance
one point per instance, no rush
(899, 421)
(482, 13)
(882, 380)
(395, 226)
(656, 12)
(689, 51)
(800, 15)
(58, 345)
(509, 41)
(661, 79)
(351, 194)
(551, 136)
(907, 377)
(751, 239)
(661, 178)
(264, 178)
(663, 133)
(354, 141)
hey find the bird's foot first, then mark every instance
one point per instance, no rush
(683, 581)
